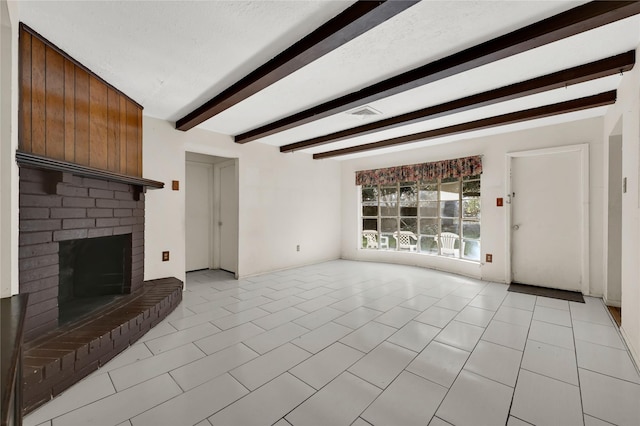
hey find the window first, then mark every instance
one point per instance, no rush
(440, 216)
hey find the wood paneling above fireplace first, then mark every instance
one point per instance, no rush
(70, 114)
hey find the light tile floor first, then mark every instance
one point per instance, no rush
(355, 343)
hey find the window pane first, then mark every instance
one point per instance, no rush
(408, 211)
(471, 230)
(428, 226)
(369, 210)
(428, 244)
(408, 195)
(471, 208)
(370, 194)
(451, 225)
(389, 211)
(471, 250)
(449, 208)
(449, 191)
(389, 225)
(369, 224)
(388, 194)
(429, 191)
(389, 201)
(429, 209)
(409, 224)
(471, 189)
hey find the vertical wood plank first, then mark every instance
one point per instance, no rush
(123, 135)
(38, 89)
(139, 142)
(25, 92)
(132, 139)
(69, 111)
(54, 104)
(82, 116)
(113, 130)
(97, 123)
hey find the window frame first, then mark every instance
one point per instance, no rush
(461, 220)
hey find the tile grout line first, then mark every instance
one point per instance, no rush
(465, 363)
(515, 385)
(573, 335)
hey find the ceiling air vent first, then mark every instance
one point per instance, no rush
(364, 112)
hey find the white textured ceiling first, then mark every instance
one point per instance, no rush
(172, 56)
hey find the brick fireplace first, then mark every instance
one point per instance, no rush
(81, 222)
(57, 207)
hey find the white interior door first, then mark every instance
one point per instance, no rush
(548, 218)
(198, 194)
(228, 217)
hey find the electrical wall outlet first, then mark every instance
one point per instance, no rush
(489, 258)
(165, 256)
(175, 185)
(298, 247)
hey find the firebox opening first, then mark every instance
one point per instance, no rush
(93, 272)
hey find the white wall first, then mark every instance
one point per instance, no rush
(284, 200)
(493, 149)
(8, 146)
(627, 108)
(613, 218)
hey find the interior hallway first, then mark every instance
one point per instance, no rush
(361, 343)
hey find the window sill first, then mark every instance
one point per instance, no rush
(434, 256)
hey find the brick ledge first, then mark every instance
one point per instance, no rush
(59, 359)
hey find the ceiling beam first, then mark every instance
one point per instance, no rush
(349, 24)
(580, 74)
(571, 22)
(602, 99)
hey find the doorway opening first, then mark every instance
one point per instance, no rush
(211, 192)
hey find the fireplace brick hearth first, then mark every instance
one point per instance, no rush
(57, 360)
(55, 207)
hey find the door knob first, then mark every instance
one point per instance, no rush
(516, 227)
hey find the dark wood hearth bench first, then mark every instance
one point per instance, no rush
(60, 358)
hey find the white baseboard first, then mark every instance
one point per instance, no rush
(614, 303)
(632, 350)
(300, 265)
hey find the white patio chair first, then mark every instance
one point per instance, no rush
(447, 243)
(372, 240)
(406, 240)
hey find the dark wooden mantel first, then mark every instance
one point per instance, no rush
(40, 162)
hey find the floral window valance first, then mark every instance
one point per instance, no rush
(458, 167)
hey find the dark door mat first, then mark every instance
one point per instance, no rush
(571, 296)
